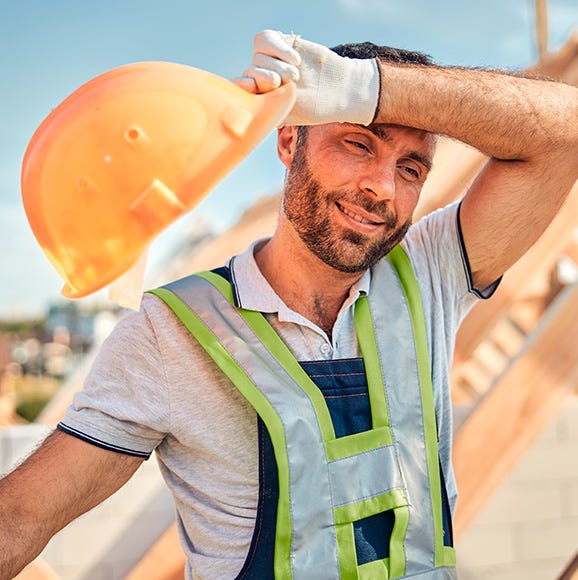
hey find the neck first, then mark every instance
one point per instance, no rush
(304, 283)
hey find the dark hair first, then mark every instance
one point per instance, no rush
(371, 50)
(388, 53)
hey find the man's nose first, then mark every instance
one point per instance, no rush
(378, 180)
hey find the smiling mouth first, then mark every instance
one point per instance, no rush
(357, 217)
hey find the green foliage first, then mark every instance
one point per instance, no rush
(25, 326)
(30, 409)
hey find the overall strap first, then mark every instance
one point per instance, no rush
(247, 349)
(410, 379)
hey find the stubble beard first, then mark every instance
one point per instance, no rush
(307, 206)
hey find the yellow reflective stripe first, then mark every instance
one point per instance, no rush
(369, 507)
(220, 283)
(402, 264)
(449, 557)
(251, 392)
(344, 516)
(397, 540)
(380, 419)
(376, 570)
(346, 553)
(358, 443)
(344, 446)
(279, 350)
(370, 353)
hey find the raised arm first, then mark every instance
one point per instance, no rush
(527, 127)
(60, 481)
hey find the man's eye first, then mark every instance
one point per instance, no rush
(411, 171)
(357, 144)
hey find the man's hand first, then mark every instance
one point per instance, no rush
(330, 88)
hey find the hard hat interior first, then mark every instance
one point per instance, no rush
(127, 154)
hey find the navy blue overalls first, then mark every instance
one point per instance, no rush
(358, 455)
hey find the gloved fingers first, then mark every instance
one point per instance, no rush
(287, 72)
(246, 83)
(274, 63)
(277, 45)
(265, 80)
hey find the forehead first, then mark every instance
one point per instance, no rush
(391, 133)
(397, 136)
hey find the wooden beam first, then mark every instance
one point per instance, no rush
(455, 166)
(164, 561)
(516, 411)
(542, 28)
(539, 259)
(562, 64)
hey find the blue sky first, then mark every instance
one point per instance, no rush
(48, 49)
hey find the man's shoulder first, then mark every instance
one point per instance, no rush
(442, 217)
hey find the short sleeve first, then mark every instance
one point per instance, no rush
(124, 405)
(435, 249)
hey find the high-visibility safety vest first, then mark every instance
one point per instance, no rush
(327, 484)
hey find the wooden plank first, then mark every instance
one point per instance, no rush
(542, 28)
(540, 258)
(562, 64)
(455, 166)
(508, 337)
(526, 313)
(516, 411)
(164, 561)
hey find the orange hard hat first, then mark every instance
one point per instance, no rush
(128, 153)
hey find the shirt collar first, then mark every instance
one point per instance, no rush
(252, 291)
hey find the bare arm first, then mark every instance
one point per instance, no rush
(529, 129)
(60, 481)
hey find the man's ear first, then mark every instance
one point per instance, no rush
(286, 143)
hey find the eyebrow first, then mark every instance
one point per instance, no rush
(382, 133)
(425, 161)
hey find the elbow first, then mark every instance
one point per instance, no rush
(564, 139)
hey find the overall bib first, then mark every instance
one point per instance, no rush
(350, 480)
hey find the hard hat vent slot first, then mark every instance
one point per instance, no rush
(133, 134)
(157, 206)
(236, 120)
(84, 185)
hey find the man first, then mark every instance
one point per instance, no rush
(329, 467)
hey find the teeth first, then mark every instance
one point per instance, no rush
(355, 217)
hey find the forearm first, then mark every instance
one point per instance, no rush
(20, 542)
(63, 479)
(23, 529)
(505, 116)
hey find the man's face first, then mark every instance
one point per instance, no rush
(351, 190)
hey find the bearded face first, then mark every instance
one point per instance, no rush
(311, 209)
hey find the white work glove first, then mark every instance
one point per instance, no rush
(330, 88)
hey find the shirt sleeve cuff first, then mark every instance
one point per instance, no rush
(483, 293)
(88, 438)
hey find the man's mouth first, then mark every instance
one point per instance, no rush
(364, 218)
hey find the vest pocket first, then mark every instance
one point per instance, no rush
(370, 536)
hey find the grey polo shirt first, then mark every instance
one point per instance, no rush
(153, 388)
